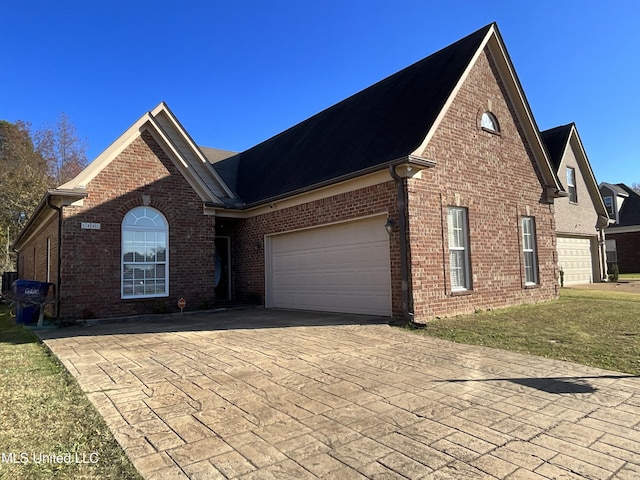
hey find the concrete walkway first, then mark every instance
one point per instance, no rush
(245, 394)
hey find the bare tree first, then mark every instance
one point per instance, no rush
(63, 150)
(635, 186)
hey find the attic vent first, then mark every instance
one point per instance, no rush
(489, 122)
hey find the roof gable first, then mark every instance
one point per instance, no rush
(385, 122)
(176, 143)
(630, 211)
(388, 121)
(557, 140)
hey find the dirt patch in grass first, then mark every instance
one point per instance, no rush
(48, 427)
(591, 327)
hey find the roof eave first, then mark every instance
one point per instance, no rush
(412, 163)
(62, 198)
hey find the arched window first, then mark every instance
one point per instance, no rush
(489, 122)
(145, 254)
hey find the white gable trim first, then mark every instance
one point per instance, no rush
(454, 93)
(587, 173)
(516, 95)
(164, 109)
(149, 122)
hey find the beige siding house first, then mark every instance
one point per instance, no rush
(581, 215)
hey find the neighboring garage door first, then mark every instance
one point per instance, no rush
(338, 268)
(575, 260)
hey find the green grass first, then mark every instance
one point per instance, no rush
(629, 276)
(591, 327)
(43, 411)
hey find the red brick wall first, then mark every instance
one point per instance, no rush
(628, 247)
(91, 267)
(38, 258)
(248, 261)
(495, 178)
(32, 260)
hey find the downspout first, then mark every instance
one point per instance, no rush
(407, 300)
(59, 274)
(603, 222)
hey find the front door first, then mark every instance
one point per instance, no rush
(222, 275)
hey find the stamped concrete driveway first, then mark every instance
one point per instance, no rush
(283, 395)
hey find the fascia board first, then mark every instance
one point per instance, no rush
(626, 229)
(522, 109)
(452, 96)
(185, 169)
(164, 108)
(587, 172)
(111, 152)
(42, 213)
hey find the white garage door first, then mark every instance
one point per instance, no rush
(574, 258)
(337, 268)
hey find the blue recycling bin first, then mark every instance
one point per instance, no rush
(29, 295)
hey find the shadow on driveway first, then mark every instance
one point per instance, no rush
(225, 319)
(555, 385)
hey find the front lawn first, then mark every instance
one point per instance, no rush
(591, 327)
(48, 427)
(629, 276)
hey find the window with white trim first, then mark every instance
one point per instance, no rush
(458, 248)
(530, 251)
(571, 184)
(489, 122)
(612, 251)
(145, 263)
(608, 203)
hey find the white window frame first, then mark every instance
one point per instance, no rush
(571, 185)
(612, 213)
(459, 259)
(149, 228)
(489, 122)
(530, 251)
(611, 250)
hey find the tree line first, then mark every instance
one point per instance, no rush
(32, 161)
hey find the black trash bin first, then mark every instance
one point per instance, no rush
(29, 296)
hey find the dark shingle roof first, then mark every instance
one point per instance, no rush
(382, 123)
(555, 139)
(630, 211)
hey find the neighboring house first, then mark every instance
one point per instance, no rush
(581, 216)
(623, 235)
(427, 194)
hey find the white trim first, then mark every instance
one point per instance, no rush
(464, 249)
(149, 122)
(498, 52)
(166, 261)
(364, 181)
(533, 250)
(445, 109)
(164, 108)
(629, 229)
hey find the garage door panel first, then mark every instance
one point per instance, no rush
(575, 259)
(338, 268)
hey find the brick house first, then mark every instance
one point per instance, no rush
(428, 194)
(581, 216)
(623, 234)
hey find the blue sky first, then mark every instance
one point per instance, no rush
(236, 73)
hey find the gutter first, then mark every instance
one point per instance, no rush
(418, 163)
